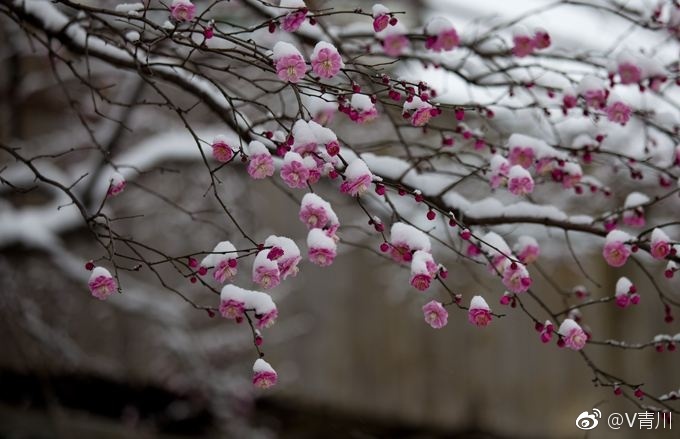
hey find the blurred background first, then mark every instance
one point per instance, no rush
(354, 357)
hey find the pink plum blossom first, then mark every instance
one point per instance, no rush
(232, 309)
(523, 45)
(523, 156)
(527, 249)
(442, 35)
(624, 289)
(358, 178)
(362, 109)
(520, 181)
(616, 251)
(423, 270)
(288, 262)
(294, 19)
(394, 43)
(264, 376)
(290, 65)
(265, 271)
(660, 245)
(634, 217)
(479, 313)
(618, 112)
(541, 39)
(499, 171)
(101, 283)
(322, 248)
(267, 319)
(574, 337)
(629, 73)
(261, 164)
(381, 17)
(547, 332)
(406, 239)
(435, 314)
(221, 150)
(316, 212)
(225, 270)
(420, 112)
(326, 61)
(182, 10)
(294, 171)
(516, 278)
(116, 185)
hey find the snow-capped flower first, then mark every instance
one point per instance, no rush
(660, 245)
(520, 181)
(293, 171)
(522, 156)
(594, 91)
(264, 375)
(629, 73)
(221, 150)
(322, 248)
(117, 184)
(326, 137)
(357, 178)
(261, 164)
(616, 251)
(523, 45)
(294, 19)
(420, 112)
(479, 313)
(441, 35)
(405, 239)
(362, 109)
(101, 283)
(315, 212)
(500, 167)
(527, 249)
(435, 314)
(288, 262)
(571, 174)
(423, 270)
(624, 289)
(516, 278)
(290, 65)
(381, 17)
(265, 271)
(182, 10)
(618, 112)
(326, 61)
(223, 258)
(574, 337)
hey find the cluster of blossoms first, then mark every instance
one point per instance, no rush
(312, 151)
(291, 66)
(525, 44)
(526, 155)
